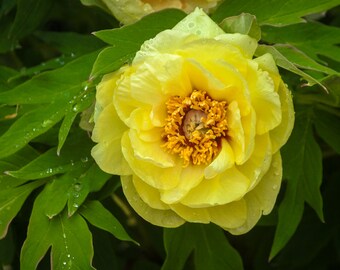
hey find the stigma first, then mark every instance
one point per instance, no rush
(194, 127)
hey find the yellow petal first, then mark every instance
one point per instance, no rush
(245, 43)
(241, 132)
(261, 199)
(150, 151)
(281, 133)
(265, 100)
(229, 186)
(258, 163)
(108, 155)
(148, 194)
(108, 125)
(164, 218)
(190, 176)
(157, 177)
(223, 161)
(200, 24)
(123, 101)
(199, 215)
(228, 216)
(106, 87)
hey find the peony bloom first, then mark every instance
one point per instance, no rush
(194, 127)
(130, 11)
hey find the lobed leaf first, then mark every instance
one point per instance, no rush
(312, 38)
(126, 41)
(69, 238)
(95, 213)
(211, 248)
(244, 23)
(273, 12)
(11, 201)
(283, 62)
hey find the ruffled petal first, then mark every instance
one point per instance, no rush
(150, 151)
(261, 199)
(164, 218)
(265, 100)
(148, 194)
(244, 43)
(190, 176)
(108, 125)
(281, 133)
(109, 157)
(241, 132)
(198, 215)
(229, 186)
(157, 177)
(198, 23)
(223, 161)
(258, 163)
(123, 101)
(228, 216)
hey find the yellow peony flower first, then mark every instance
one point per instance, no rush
(130, 11)
(194, 127)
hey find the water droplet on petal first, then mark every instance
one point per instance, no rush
(274, 187)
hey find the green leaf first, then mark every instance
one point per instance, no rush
(7, 250)
(75, 154)
(69, 238)
(283, 62)
(65, 129)
(290, 214)
(328, 127)
(5, 74)
(31, 125)
(73, 187)
(24, 22)
(71, 43)
(301, 60)
(244, 23)
(303, 159)
(314, 39)
(11, 201)
(64, 83)
(274, 12)
(211, 248)
(126, 41)
(95, 213)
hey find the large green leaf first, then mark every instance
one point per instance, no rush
(73, 187)
(69, 238)
(314, 39)
(274, 12)
(283, 62)
(290, 214)
(244, 23)
(328, 127)
(11, 201)
(31, 125)
(211, 248)
(24, 23)
(126, 41)
(302, 164)
(63, 83)
(99, 216)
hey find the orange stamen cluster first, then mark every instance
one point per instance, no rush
(194, 127)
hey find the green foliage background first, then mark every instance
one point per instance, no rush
(55, 200)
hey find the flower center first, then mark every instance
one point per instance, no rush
(194, 127)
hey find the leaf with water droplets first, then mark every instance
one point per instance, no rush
(50, 163)
(69, 237)
(59, 84)
(95, 213)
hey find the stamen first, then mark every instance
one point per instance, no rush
(194, 127)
